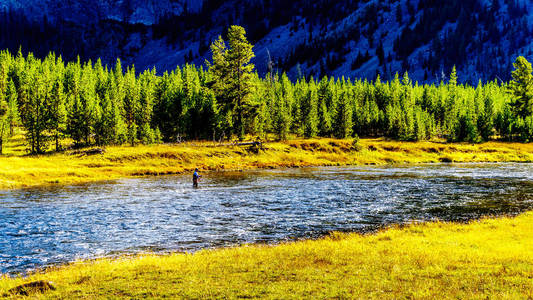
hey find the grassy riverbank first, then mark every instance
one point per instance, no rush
(18, 171)
(491, 258)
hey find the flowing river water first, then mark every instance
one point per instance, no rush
(46, 226)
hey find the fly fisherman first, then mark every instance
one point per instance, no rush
(195, 178)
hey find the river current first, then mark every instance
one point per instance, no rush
(47, 226)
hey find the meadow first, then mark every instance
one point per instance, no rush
(489, 258)
(18, 170)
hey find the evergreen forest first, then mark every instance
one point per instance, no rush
(88, 103)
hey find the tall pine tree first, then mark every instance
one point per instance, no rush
(521, 88)
(232, 75)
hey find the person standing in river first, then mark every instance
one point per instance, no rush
(195, 178)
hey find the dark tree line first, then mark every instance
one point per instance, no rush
(98, 38)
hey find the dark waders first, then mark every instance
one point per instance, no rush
(195, 178)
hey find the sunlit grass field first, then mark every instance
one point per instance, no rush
(19, 170)
(491, 258)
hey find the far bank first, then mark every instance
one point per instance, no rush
(82, 166)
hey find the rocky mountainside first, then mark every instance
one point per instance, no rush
(352, 38)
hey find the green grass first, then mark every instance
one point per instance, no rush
(18, 170)
(491, 258)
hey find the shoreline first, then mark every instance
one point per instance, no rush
(118, 162)
(363, 232)
(488, 257)
(367, 232)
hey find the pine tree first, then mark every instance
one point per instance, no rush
(13, 117)
(451, 113)
(504, 122)
(8, 99)
(104, 126)
(466, 129)
(131, 104)
(4, 122)
(58, 112)
(452, 84)
(521, 88)
(83, 103)
(147, 81)
(75, 120)
(343, 116)
(296, 109)
(232, 75)
(33, 103)
(164, 106)
(394, 120)
(310, 110)
(282, 117)
(485, 123)
(325, 103)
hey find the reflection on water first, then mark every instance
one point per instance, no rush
(39, 227)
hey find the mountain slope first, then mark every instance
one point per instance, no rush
(353, 38)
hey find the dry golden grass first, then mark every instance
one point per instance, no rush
(17, 170)
(491, 258)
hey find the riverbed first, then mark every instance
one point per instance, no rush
(46, 226)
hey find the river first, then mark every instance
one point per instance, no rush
(47, 226)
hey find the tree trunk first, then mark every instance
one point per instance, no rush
(241, 127)
(2, 138)
(57, 140)
(32, 141)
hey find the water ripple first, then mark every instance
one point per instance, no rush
(40, 227)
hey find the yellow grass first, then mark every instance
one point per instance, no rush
(491, 258)
(17, 170)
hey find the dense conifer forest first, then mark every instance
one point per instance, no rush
(92, 104)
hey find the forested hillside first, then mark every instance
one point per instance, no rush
(92, 104)
(355, 38)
